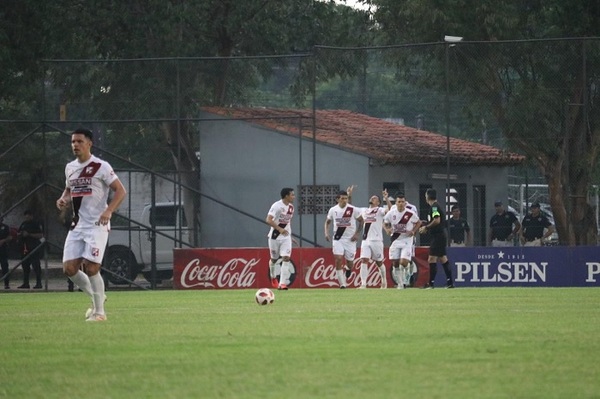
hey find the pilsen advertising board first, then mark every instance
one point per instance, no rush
(238, 268)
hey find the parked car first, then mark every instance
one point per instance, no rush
(129, 249)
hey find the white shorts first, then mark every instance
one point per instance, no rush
(280, 247)
(372, 250)
(88, 243)
(346, 248)
(402, 248)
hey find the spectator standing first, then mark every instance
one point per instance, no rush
(279, 218)
(437, 246)
(459, 229)
(5, 238)
(533, 226)
(504, 226)
(343, 217)
(30, 234)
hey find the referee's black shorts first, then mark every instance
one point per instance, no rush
(437, 246)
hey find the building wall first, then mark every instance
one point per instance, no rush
(493, 178)
(244, 166)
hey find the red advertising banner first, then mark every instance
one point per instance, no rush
(236, 268)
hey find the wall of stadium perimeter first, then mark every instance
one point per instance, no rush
(233, 268)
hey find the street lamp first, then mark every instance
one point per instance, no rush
(450, 40)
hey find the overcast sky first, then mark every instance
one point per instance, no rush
(352, 3)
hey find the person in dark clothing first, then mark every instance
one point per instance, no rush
(536, 227)
(5, 238)
(459, 229)
(501, 227)
(437, 246)
(30, 234)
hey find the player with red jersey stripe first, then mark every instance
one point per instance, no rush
(401, 224)
(371, 246)
(88, 182)
(343, 217)
(412, 266)
(279, 218)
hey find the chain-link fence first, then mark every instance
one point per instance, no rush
(535, 98)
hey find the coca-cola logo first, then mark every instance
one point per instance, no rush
(235, 273)
(320, 274)
(373, 274)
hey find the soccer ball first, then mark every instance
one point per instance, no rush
(264, 296)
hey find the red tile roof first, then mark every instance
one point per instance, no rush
(383, 141)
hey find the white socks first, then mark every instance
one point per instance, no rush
(82, 280)
(341, 275)
(286, 272)
(364, 273)
(383, 276)
(272, 273)
(97, 284)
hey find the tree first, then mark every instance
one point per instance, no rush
(543, 94)
(172, 88)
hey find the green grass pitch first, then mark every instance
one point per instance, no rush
(327, 343)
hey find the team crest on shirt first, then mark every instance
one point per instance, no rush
(95, 252)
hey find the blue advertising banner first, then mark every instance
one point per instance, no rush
(524, 267)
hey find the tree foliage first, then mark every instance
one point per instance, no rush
(174, 84)
(542, 94)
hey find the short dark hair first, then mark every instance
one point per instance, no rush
(340, 193)
(375, 195)
(400, 194)
(86, 132)
(431, 194)
(455, 206)
(285, 191)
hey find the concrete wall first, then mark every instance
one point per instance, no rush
(244, 166)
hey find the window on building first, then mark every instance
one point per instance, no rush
(393, 188)
(167, 215)
(317, 199)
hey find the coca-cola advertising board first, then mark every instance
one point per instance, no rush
(236, 268)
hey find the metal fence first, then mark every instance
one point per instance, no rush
(521, 96)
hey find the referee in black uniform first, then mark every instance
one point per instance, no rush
(437, 246)
(533, 226)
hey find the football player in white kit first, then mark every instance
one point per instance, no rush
(88, 182)
(402, 225)
(371, 246)
(412, 267)
(280, 238)
(343, 216)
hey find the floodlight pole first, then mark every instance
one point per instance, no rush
(447, 117)
(448, 40)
